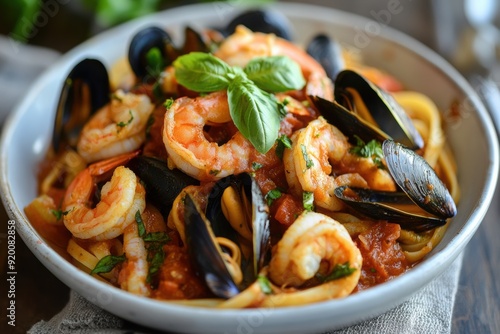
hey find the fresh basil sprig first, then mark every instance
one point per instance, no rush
(254, 110)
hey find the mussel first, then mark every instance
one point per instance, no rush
(162, 184)
(265, 21)
(420, 188)
(250, 233)
(85, 90)
(356, 93)
(150, 38)
(328, 53)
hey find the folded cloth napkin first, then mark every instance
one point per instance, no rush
(428, 311)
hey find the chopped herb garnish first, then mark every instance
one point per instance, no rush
(59, 213)
(264, 284)
(160, 237)
(155, 62)
(272, 195)
(107, 263)
(308, 200)
(339, 271)
(123, 124)
(168, 103)
(214, 172)
(372, 149)
(257, 166)
(155, 262)
(309, 162)
(141, 229)
(283, 142)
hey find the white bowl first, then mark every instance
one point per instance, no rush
(26, 137)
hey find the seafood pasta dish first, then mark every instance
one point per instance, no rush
(239, 169)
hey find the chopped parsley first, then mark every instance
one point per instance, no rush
(168, 103)
(264, 284)
(272, 195)
(59, 213)
(372, 149)
(308, 200)
(257, 166)
(124, 124)
(283, 142)
(307, 159)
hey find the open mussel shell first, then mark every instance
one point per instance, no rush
(142, 42)
(85, 90)
(265, 21)
(205, 253)
(328, 53)
(162, 183)
(383, 109)
(245, 186)
(418, 180)
(390, 206)
(347, 122)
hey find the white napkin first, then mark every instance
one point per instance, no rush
(428, 311)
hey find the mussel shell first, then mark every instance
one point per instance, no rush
(143, 41)
(380, 205)
(387, 113)
(70, 116)
(347, 122)
(260, 215)
(204, 253)
(265, 21)
(162, 184)
(328, 53)
(418, 180)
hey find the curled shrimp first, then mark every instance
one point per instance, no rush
(320, 161)
(134, 273)
(117, 128)
(121, 198)
(244, 45)
(313, 243)
(188, 147)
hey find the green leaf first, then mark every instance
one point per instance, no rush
(283, 142)
(59, 213)
(372, 149)
(141, 229)
(339, 271)
(124, 124)
(160, 237)
(264, 284)
(107, 263)
(272, 195)
(275, 74)
(308, 200)
(202, 72)
(305, 155)
(155, 62)
(254, 112)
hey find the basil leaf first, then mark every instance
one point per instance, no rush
(275, 74)
(202, 72)
(141, 229)
(160, 237)
(283, 142)
(272, 195)
(107, 263)
(264, 284)
(308, 200)
(254, 112)
(155, 62)
(339, 271)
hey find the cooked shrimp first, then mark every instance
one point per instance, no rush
(134, 273)
(244, 45)
(308, 163)
(121, 198)
(313, 241)
(191, 151)
(117, 128)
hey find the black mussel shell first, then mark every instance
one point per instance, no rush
(418, 180)
(204, 254)
(162, 184)
(328, 53)
(386, 112)
(88, 79)
(142, 42)
(383, 206)
(266, 21)
(260, 215)
(347, 122)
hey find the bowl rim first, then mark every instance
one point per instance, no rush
(47, 255)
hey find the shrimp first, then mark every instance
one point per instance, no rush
(121, 198)
(191, 151)
(134, 273)
(308, 163)
(244, 45)
(320, 161)
(314, 244)
(117, 128)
